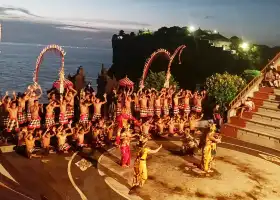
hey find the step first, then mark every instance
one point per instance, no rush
(274, 97)
(269, 111)
(266, 118)
(276, 91)
(260, 121)
(266, 102)
(252, 136)
(262, 128)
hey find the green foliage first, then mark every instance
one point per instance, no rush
(224, 87)
(156, 80)
(252, 54)
(249, 74)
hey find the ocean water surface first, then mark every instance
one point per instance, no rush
(22, 42)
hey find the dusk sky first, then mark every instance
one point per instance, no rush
(255, 20)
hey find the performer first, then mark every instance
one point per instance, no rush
(125, 152)
(50, 114)
(22, 117)
(217, 116)
(97, 105)
(158, 105)
(140, 166)
(62, 135)
(143, 105)
(176, 103)
(70, 98)
(62, 115)
(187, 108)
(122, 123)
(35, 117)
(32, 98)
(13, 120)
(165, 105)
(84, 109)
(30, 144)
(209, 149)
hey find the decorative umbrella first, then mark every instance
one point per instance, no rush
(66, 84)
(126, 82)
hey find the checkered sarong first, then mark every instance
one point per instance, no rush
(118, 111)
(64, 147)
(143, 112)
(136, 107)
(28, 115)
(5, 120)
(12, 125)
(50, 121)
(70, 112)
(158, 111)
(22, 117)
(175, 110)
(166, 111)
(84, 119)
(63, 119)
(96, 116)
(197, 109)
(35, 123)
(150, 112)
(187, 109)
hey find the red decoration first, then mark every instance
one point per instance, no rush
(126, 82)
(67, 84)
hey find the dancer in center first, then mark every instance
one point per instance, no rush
(140, 166)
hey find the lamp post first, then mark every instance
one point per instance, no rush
(244, 46)
(191, 29)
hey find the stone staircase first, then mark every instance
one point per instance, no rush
(262, 125)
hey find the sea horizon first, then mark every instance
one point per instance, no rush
(22, 43)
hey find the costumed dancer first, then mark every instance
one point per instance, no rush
(209, 149)
(140, 166)
(125, 152)
(122, 123)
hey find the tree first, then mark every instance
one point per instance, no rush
(224, 87)
(249, 74)
(156, 80)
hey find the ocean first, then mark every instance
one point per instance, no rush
(22, 42)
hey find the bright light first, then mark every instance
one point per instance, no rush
(215, 31)
(244, 46)
(191, 28)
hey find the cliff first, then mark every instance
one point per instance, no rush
(200, 59)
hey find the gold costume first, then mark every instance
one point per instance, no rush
(140, 168)
(209, 150)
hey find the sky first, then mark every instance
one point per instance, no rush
(254, 20)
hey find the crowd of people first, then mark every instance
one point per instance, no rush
(126, 114)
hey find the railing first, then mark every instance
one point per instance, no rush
(252, 83)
